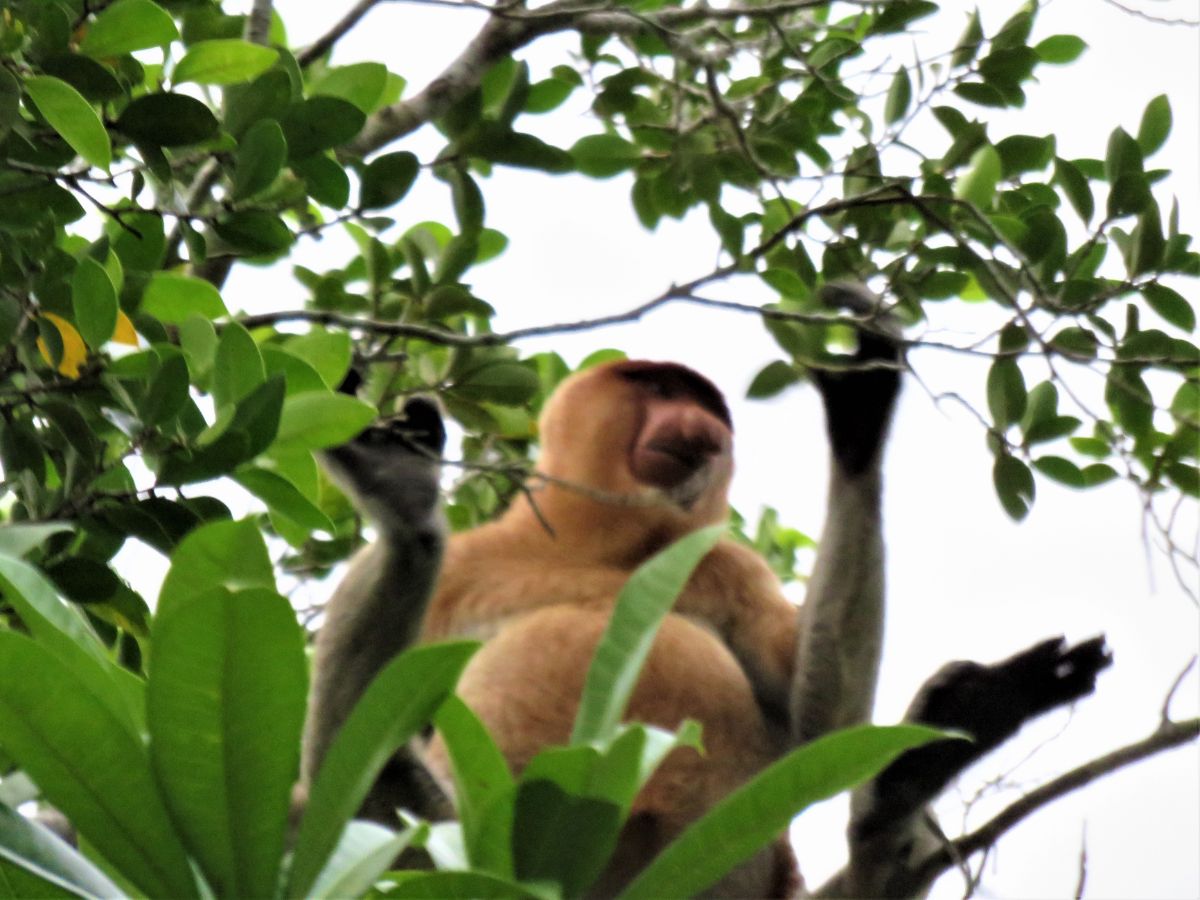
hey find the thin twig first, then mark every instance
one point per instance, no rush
(1166, 737)
(325, 42)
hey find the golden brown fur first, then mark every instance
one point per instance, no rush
(541, 601)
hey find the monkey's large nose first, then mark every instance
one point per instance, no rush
(677, 440)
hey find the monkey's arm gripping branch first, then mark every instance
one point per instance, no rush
(841, 623)
(390, 472)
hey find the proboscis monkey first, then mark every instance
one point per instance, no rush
(638, 454)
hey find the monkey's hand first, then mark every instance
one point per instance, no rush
(390, 471)
(859, 398)
(988, 703)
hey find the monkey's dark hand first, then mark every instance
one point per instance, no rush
(859, 400)
(391, 469)
(988, 703)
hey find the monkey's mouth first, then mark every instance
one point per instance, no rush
(669, 463)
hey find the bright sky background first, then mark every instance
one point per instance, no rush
(964, 581)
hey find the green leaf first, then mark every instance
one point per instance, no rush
(167, 393)
(172, 298)
(1146, 243)
(1025, 153)
(977, 185)
(899, 97)
(283, 498)
(18, 539)
(167, 120)
(468, 201)
(324, 180)
(360, 83)
(755, 814)
(320, 123)
(515, 148)
(62, 629)
(1006, 392)
(126, 26)
(1155, 125)
(398, 703)
(1098, 473)
(484, 787)
(640, 608)
(504, 382)
(363, 853)
(264, 98)
(1076, 187)
(94, 301)
(413, 885)
(1014, 485)
(328, 352)
(261, 154)
(1171, 305)
(1061, 470)
(968, 45)
(223, 61)
(604, 155)
(1129, 398)
(72, 117)
(387, 178)
(36, 850)
(90, 765)
(258, 232)
(225, 707)
(1060, 49)
(226, 554)
(772, 379)
(1123, 156)
(252, 428)
(238, 368)
(547, 95)
(561, 837)
(313, 421)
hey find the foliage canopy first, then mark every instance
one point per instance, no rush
(147, 147)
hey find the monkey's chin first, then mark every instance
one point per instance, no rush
(687, 493)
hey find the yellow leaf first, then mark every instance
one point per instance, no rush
(74, 350)
(125, 333)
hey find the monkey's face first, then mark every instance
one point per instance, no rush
(643, 428)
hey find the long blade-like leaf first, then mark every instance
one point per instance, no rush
(225, 707)
(484, 788)
(89, 765)
(443, 885)
(401, 699)
(364, 852)
(641, 606)
(757, 813)
(62, 629)
(32, 848)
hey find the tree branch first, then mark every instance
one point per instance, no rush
(325, 42)
(510, 28)
(1166, 737)
(258, 22)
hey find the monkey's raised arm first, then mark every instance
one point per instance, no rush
(390, 472)
(841, 622)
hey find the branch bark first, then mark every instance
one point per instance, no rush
(510, 28)
(1165, 737)
(325, 42)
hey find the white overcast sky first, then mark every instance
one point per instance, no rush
(964, 581)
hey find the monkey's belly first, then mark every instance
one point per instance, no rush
(525, 684)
